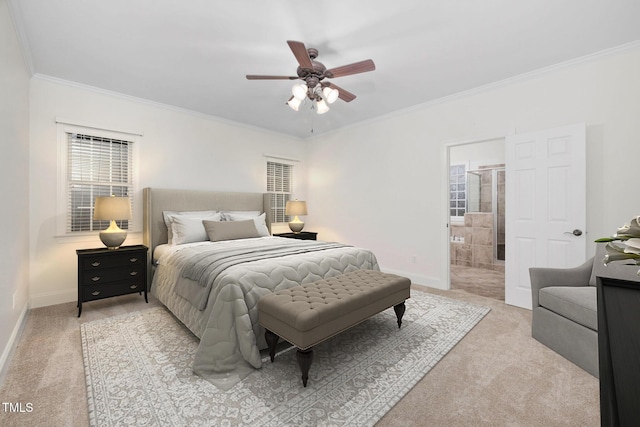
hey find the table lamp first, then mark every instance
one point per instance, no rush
(295, 208)
(111, 209)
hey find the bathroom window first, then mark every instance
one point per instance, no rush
(457, 192)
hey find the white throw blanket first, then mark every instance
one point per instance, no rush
(230, 336)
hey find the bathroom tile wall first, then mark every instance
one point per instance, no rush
(472, 243)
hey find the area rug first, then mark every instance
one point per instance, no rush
(138, 371)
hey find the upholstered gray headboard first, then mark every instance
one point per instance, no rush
(157, 200)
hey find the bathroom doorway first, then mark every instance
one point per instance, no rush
(477, 217)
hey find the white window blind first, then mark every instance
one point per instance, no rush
(280, 184)
(96, 166)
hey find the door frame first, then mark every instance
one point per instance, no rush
(445, 268)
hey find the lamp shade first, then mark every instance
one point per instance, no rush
(299, 91)
(109, 208)
(294, 103)
(322, 106)
(296, 207)
(112, 209)
(330, 95)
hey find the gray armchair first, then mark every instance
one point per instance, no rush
(564, 312)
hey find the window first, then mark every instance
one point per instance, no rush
(457, 191)
(280, 185)
(92, 163)
(96, 167)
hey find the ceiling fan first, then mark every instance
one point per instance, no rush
(313, 73)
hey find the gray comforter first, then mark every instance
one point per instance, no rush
(216, 298)
(206, 264)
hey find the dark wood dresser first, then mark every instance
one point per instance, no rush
(619, 344)
(105, 273)
(303, 235)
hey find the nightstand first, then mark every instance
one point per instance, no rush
(303, 235)
(105, 273)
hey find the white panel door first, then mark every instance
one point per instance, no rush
(545, 204)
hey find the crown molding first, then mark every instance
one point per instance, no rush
(161, 105)
(491, 86)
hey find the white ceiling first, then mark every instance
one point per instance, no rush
(194, 54)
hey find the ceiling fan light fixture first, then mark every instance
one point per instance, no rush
(322, 106)
(299, 91)
(330, 94)
(294, 103)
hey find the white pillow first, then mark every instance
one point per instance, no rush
(189, 229)
(260, 221)
(239, 215)
(168, 218)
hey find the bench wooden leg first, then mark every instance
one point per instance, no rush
(305, 357)
(399, 309)
(272, 341)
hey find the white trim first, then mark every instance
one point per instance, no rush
(65, 126)
(84, 124)
(12, 343)
(281, 159)
(52, 298)
(488, 87)
(416, 279)
(92, 236)
(194, 113)
(446, 218)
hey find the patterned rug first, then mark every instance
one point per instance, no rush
(138, 372)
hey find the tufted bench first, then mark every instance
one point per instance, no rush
(308, 314)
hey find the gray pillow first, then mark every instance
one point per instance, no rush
(230, 230)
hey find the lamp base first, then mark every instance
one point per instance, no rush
(296, 225)
(113, 237)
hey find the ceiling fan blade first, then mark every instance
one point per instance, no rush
(355, 68)
(343, 94)
(300, 52)
(259, 77)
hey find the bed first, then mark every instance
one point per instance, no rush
(213, 287)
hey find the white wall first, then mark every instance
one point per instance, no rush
(478, 154)
(380, 184)
(14, 184)
(178, 150)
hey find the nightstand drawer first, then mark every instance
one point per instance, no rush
(93, 292)
(98, 261)
(109, 275)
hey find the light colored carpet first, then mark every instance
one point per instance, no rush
(496, 376)
(138, 371)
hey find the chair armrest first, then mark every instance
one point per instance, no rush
(542, 277)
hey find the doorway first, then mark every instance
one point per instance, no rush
(477, 217)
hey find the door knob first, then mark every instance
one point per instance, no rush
(576, 232)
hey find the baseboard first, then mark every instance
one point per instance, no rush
(12, 343)
(53, 298)
(417, 279)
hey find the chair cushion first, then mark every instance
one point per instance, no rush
(578, 304)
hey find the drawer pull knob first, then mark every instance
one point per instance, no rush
(133, 286)
(133, 273)
(95, 278)
(95, 293)
(95, 263)
(133, 259)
